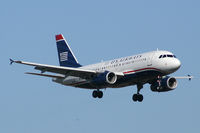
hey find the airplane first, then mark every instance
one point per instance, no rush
(151, 67)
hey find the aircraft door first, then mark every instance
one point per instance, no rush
(149, 60)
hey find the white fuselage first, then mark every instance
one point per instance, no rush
(160, 62)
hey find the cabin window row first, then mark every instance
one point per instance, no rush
(120, 64)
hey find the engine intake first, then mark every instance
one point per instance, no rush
(164, 84)
(105, 78)
(111, 78)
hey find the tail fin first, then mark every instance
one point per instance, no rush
(65, 54)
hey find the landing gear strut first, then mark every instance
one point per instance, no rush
(97, 93)
(138, 97)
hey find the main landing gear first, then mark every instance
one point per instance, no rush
(138, 97)
(97, 93)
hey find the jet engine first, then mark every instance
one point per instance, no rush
(105, 78)
(164, 84)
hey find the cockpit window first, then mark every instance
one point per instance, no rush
(170, 56)
(164, 56)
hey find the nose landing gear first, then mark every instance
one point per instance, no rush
(138, 97)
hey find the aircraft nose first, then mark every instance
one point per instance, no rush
(177, 64)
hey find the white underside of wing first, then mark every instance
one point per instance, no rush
(66, 71)
(69, 71)
(46, 75)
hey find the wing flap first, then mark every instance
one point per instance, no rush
(46, 75)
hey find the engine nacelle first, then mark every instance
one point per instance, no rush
(105, 78)
(164, 84)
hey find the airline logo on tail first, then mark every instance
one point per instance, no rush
(64, 56)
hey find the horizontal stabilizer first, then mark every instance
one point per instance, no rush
(46, 75)
(185, 77)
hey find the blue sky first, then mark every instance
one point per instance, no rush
(97, 30)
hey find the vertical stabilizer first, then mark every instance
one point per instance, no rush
(65, 54)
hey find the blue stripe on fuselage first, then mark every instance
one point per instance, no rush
(127, 80)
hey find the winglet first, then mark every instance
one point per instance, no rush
(11, 61)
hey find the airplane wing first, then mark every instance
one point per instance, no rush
(68, 71)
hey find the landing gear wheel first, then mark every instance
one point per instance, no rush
(137, 97)
(134, 97)
(100, 94)
(95, 94)
(140, 98)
